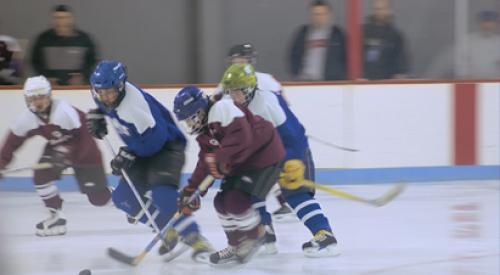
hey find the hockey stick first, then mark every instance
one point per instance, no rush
(324, 142)
(388, 196)
(135, 260)
(134, 190)
(38, 166)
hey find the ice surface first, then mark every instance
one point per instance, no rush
(432, 228)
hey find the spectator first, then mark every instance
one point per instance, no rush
(383, 45)
(318, 49)
(10, 61)
(479, 52)
(64, 54)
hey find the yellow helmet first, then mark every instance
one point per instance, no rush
(240, 77)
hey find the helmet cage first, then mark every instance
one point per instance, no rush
(196, 123)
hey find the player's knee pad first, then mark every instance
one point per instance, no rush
(44, 176)
(236, 201)
(219, 203)
(99, 197)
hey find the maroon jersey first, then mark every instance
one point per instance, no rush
(240, 140)
(65, 127)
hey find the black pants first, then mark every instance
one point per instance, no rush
(256, 182)
(162, 168)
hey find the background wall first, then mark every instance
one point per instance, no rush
(393, 125)
(180, 41)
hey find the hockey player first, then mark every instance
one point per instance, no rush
(245, 152)
(153, 155)
(69, 145)
(246, 54)
(298, 161)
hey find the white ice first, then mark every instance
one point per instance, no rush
(432, 228)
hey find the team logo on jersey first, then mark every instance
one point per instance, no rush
(120, 128)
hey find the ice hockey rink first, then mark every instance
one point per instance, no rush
(431, 228)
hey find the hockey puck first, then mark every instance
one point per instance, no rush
(85, 272)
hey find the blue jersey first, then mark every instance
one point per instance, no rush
(272, 107)
(142, 122)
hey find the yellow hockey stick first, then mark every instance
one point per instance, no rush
(388, 196)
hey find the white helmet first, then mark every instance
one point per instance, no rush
(38, 85)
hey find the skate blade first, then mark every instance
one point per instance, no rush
(170, 256)
(268, 249)
(202, 257)
(329, 251)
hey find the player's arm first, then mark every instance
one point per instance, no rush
(11, 145)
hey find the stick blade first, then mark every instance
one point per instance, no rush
(390, 195)
(121, 257)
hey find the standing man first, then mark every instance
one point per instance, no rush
(69, 144)
(64, 54)
(384, 50)
(318, 49)
(153, 155)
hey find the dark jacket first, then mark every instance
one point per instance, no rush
(335, 67)
(53, 55)
(384, 51)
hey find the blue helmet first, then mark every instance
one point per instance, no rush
(191, 109)
(109, 74)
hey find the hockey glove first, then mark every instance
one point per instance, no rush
(96, 123)
(57, 156)
(216, 169)
(182, 202)
(292, 175)
(123, 160)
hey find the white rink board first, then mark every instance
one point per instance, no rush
(397, 125)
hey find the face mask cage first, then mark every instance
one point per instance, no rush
(248, 92)
(38, 103)
(196, 123)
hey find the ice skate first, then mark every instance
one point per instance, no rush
(248, 247)
(323, 244)
(225, 256)
(169, 242)
(269, 247)
(171, 246)
(201, 247)
(53, 226)
(284, 214)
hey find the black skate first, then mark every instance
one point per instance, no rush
(225, 256)
(323, 244)
(53, 226)
(284, 214)
(269, 241)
